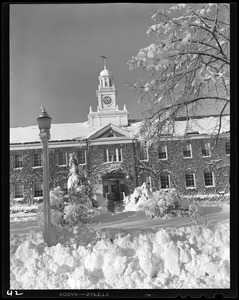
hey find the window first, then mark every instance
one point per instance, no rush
(143, 151)
(37, 189)
(114, 154)
(227, 148)
(208, 179)
(62, 159)
(18, 161)
(187, 151)
(206, 149)
(165, 181)
(81, 157)
(110, 82)
(163, 152)
(63, 185)
(190, 180)
(18, 190)
(37, 159)
(105, 189)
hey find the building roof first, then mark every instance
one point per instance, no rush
(82, 131)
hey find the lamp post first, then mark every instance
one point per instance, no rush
(44, 124)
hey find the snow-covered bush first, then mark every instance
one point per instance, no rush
(56, 206)
(167, 202)
(162, 203)
(23, 207)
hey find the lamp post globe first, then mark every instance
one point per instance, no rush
(44, 121)
(44, 124)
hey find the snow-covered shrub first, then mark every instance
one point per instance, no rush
(162, 203)
(167, 202)
(56, 206)
(23, 207)
(101, 204)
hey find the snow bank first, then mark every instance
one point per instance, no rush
(184, 257)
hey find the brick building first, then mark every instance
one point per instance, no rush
(114, 157)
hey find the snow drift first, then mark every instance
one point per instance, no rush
(185, 257)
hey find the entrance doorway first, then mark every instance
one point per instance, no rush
(114, 187)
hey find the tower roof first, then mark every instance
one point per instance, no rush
(105, 72)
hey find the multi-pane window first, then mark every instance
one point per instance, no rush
(187, 150)
(81, 157)
(206, 149)
(62, 159)
(37, 189)
(143, 151)
(18, 161)
(113, 154)
(227, 148)
(163, 152)
(208, 179)
(18, 190)
(37, 160)
(190, 180)
(165, 181)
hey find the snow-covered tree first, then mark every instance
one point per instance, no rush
(79, 190)
(187, 66)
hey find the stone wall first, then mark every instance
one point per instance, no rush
(98, 168)
(176, 165)
(130, 168)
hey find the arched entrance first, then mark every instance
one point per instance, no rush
(114, 186)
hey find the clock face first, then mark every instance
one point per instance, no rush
(107, 100)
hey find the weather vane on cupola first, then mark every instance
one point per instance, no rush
(104, 60)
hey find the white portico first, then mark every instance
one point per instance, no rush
(107, 109)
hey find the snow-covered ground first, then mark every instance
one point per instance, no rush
(126, 250)
(159, 241)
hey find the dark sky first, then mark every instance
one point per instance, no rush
(55, 59)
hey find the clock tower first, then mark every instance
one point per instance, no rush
(107, 109)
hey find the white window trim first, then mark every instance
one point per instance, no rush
(169, 182)
(207, 149)
(33, 189)
(85, 158)
(22, 197)
(117, 155)
(225, 148)
(38, 198)
(35, 167)
(191, 153)
(17, 168)
(191, 187)
(66, 164)
(166, 151)
(18, 199)
(147, 153)
(213, 180)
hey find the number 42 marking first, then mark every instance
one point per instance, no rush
(9, 293)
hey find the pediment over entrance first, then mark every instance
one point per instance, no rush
(110, 131)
